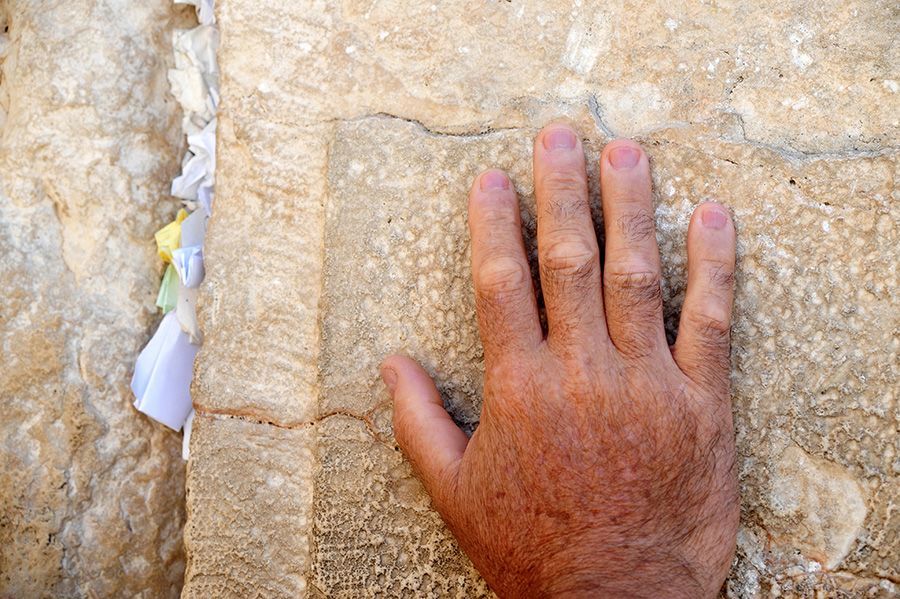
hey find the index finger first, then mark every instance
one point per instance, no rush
(504, 292)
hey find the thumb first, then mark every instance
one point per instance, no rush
(423, 428)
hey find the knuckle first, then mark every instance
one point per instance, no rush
(720, 275)
(635, 341)
(566, 192)
(712, 326)
(630, 198)
(569, 256)
(636, 226)
(635, 287)
(706, 354)
(499, 275)
(564, 180)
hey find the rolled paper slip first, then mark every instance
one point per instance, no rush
(186, 441)
(169, 237)
(167, 298)
(186, 312)
(162, 375)
(188, 262)
(193, 229)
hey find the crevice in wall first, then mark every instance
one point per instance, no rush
(5, 48)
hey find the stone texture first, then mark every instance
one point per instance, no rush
(247, 480)
(269, 235)
(350, 133)
(386, 541)
(91, 492)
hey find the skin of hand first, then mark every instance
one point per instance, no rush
(604, 463)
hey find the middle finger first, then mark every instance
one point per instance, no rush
(568, 254)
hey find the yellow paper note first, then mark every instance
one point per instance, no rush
(168, 238)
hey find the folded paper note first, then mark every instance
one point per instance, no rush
(188, 262)
(198, 166)
(186, 312)
(194, 78)
(169, 237)
(205, 198)
(188, 259)
(162, 375)
(167, 297)
(186, 441)
(205, 13)
(193, 229)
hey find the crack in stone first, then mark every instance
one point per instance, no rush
(247, 418)
(597, 112)
(365, 419)
(794, 155)
(481, 133)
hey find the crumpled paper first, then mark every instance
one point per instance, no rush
(162, 375)
(167, 298)
(205, 13)
(194, 80)
(169, 237)
(163, 372)
(198, 166)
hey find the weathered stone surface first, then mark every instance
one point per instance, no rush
(91, 492)
(387, 541)
(352, 131)
(260, 348)
(247, 480)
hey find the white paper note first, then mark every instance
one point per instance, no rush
(205, 13)
(186, 312)
(186, 440)
(162, 375)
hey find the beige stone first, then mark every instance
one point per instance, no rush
(348, 134)
(352, 131)
(247, 480)
(91, 492)
(815, 505)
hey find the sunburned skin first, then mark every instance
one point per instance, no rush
(604, 462)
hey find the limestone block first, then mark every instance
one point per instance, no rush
(91, 492)
(248, 481)
(387, 541)
(260, 348)
(363, 124)
(800, 74)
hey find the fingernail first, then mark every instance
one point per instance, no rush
(560, 138)
(389, 376)
(624, 157)
(494, 180)
(713, 216)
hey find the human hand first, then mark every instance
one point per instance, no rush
(604, 462)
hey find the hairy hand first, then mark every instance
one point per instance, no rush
(603, 464)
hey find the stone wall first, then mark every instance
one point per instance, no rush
(349, 134)
(91, 492)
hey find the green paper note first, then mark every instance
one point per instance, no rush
(168, 290)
